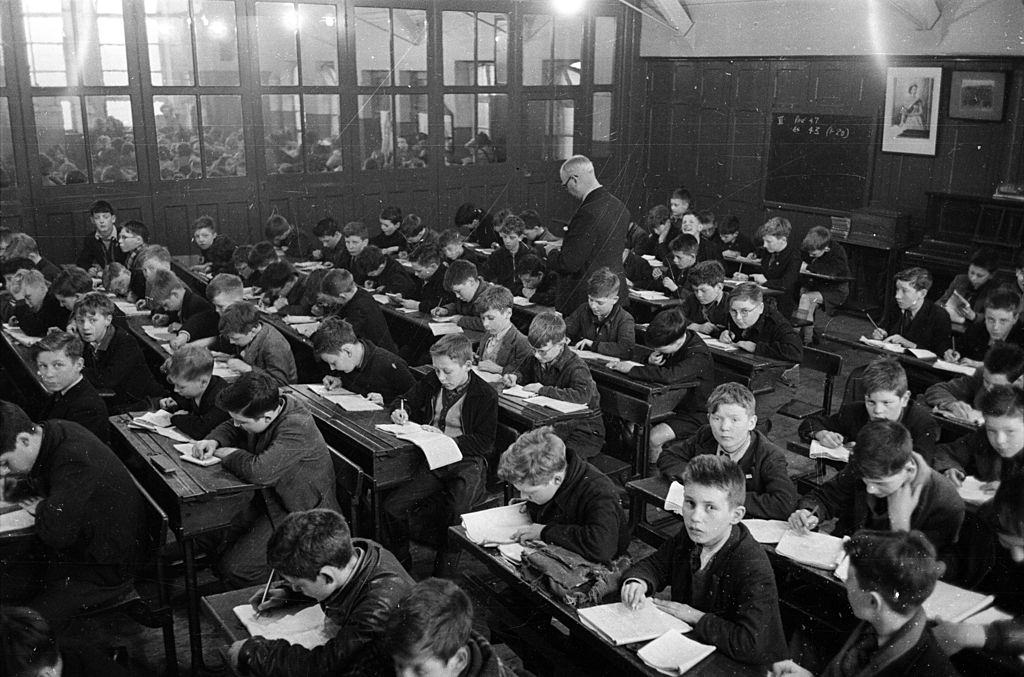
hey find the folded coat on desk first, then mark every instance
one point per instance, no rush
(620, 625)
(496, 526)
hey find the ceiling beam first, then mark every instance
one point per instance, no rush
(673, 12)
(924, 13)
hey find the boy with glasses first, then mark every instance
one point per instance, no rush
(759, 330)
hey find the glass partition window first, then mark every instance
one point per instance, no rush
(552, 49)
(61, 136)
(302, 133)
(111, 139)
(391, 47)
(601, 126)
(475, 48)
(605, 29)
(174, 27)
(549, 129)
(393, 131)
(216, 42)
(75, 42)
(223, 142)
(8, 175)
(476, 128)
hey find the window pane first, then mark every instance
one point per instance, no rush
(492, 48)
(565, 69)
(3, 70)
(216, 42)
(411, 46)
(537, 34)
(318, 43)
(281, 123)
(476, 127)
(321, 132)
(60, 137)
(111, 142)
(375, 131)
(224, 145)
(276, 24)
(601, 134)
(457, 44)
(373, 46)
(45, 36)
(176, 137)
(549, 126)
(100, 44)
(480, 60)
(170, 42)
(8, 177)
(412, 132)
(604, 50)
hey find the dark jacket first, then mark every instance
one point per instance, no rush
(976, 297)
(394, 280)
(594, 238)
(832, 263)
(513, 349)
(97, 252)
(270, 352)
(638, 271)
(963, 388)
(299, 244)
(972, 454)
(197, 317)
(976, 340)
(615, 335)
(360, 610)
(467, 309)
(395, 239)
(585, 514)
(738, 596)
(546, 293)
(431, 292)
(92, 515)
(82, 405)
(197, 420)
(715, 313)
(49, 269)
(367, 320)
(924, 429)
(568, 378)
(375, 660)
(771, 494)
(713, 248)
(37, 322)
(219, 254)
(692, 362)
(773, 336)
(300, 297)
(119, 365)
(380, 372)
(501, 265)
(929, 329)
(910, 652)
(782, 271)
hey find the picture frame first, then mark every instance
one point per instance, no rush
(910, 121)
(977, 95)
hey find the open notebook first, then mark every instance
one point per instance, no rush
(819, 450)
(950, 603)
(673, 653)
(15, 520)
(306, 627)
(620, 625)
(820, 551)
(346, 399)
(439, 449)
(976, 492)
(496, 525)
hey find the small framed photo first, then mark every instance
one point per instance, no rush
(977, 95)
(911, 116)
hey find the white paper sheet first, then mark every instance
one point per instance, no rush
(674, 498)
(160, 418)
(673, 653)
(819, 450)
(488, 376)
(306, 627)
(518, 391)
(557, 405)
(648, 295)
(382, 299)
(443, 328)
(954, 367)
(820, 551)
(439, 449)
(19, 336)
(883, 345)
(621, 625)
(591, 355)
(300, 319)
(922, 354)
(161, 334)
(185, 450)
(18, 519)
(975, 417)
(522, 301)
(976, 492)
(496, 525)
(950, 603)
(346, 399)
(766, 531)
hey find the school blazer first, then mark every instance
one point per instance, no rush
(910, 652)
(615, 335)
(772, 335)
(691, 362)
(269, 352)
(38, 322)
(198, 317)
(568, 378)
(431, 292)
(219, 255)
(973, 455)
(929, 329)
(502, 263)
(394, 279)
(381, 372)
(367, 320)
(963, 388)
(99, 252)
(467, 309)
(782, 271)
(80, 404)
(513, 349)
(122, 368)
(197, 421)
(924, 429)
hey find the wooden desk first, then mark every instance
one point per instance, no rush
(418, 324)
(731, 284)
(182, 267)
(197, 500)
(643, 310)
(621, 660)
(757, 372)
(920, 373)
(826, 278)
(21, 368)
(308, 368)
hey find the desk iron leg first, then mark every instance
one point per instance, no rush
(195, 637)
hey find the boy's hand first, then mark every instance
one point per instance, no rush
(901, 505)
(376, 398)
(141, 304)
(759, 278)
(583, 344)
(241, 366)
(740, 277)
(178, 340)
(788, 668)
(489, 366)
(431, 429)
(160, 319)
(316, 254)
(878, 334)
(683, 612)
(656, 358)
(953, 637)
(959, 409)
(410, 304)
(704, 328)
(276, 597)
(279, 303)
(439, 312)
(168, 403)
(400, 416)
(748, 346)
(726, 337)
(332, 382)
(30, 505)
(204, 448)
(829, 438)
(509, 380)
(900, 341)
(533, 387)
(669, 284)
(634, 594)
(802, 521)
(951, 355)
(955, 476)
(447, 318)
(619, 366)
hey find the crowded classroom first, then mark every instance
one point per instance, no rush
(526, 337)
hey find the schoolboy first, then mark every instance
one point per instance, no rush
(771, 494)
(99, 248)
(822, 256)
(262, 347)
(31, 649)
(891, 575)
(455, 401)
(722, 582)
(602, 325)
(467, 285)
(89, 517)
(151, 258)
(780, 264)
(240, 261)
(555, 371)
(679, 202)
(417, 233)
(358, 365)
(385, 274)
(24, 246)
(913, 322)
(888, 486)
(35, 308)
(972, 288)
(357, 239)
(194, 403)
(733, 242)
(450, 242)
(886, 398)
(639, 273)
(215, 249)
(59, 365)
(677, 355)
(117, 279)
(357, 583)
(757, 329)
(223, 290)
(261, 256)
(689, 224)
(504, 347)
(339, 293)
(502, 263)
(658, 222)
(707, 307)
(133, 236)
(72, 284)
(999, 323)
(191, 316)
(534, 229)
(272, 441)
(1003, 365)
(684, 255)
(390, 240)
(295, 243)
(428, 272)
(572, 503)
(113, 358)
(535, 282)
(332, 248)
(285, 290)
(992, 453)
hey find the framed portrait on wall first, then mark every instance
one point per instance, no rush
(977, 95)
(911, 115)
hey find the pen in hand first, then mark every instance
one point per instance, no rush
(868, 315)
(266, 590)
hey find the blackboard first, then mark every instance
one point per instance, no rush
(819, 160)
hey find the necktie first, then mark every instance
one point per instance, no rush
(905, 322)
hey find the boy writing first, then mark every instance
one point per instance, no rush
(35, 308)
(1003, 365)
(189, 314)
(194, 403)
(262, 348)
(450, 242)
(823, 257)
(385, 275)
(683, 249)
(72, 284)
(993, 453)
(99, 248)
(223, 290)
(731, 242)
(601, 324)
(358, 365)
(293, 242)
(757, 329)
(780, 265)
(466, 284)
(428, 291)
(964, 299)
(24, 246)
(390, 241)
(332, 249)
(285, 291)
(117, 279)
(535, 282)
(504, 347)
(534, 229)
(215, 249)
(417, 233)
(339, 293)
(59, 364)
(708, 307)
(1001, 315)
(915, 323)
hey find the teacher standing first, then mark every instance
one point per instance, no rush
(594, 238)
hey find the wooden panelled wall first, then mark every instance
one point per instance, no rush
(708, 122)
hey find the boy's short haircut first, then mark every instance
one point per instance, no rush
(531, 265)
(325, 227)
(985, 258)
(275, 227)
(719, 472)
(252, 395)
(29, 644)
(101, 207)
(189, 363)
(337, 282)
(21, 245)
(512, 225)
(34, 278)
(1005, 358)
(306, 541)
(392, 214)
(449, 237)
(112, 272)
(426, 255)
(494, 297)
(776, 226)
(434, 619)
(459, 272)
(94, 303)
(547, 327)
(412, 225)
(160, 286)
(13, 422)
(1003, 299)
(11, 265)
(153, 252)
(58, 341)
(241, 254)
(533, 459)
(224, 283)
(356, 229)
(136, 227)
(372, 257)
(456, 347)
(732, 393)
(1002, 401)
(603, 284)
(205, 222)
(706, 217)
(899, 565)
(239, 318)
(262, 255)
(816, 239)
(467, 213)
(918, 277)
(706, 272)
(746, 291)
(656, 215)
(884, 374)
(684, 244)
(681, 194)
(531, 219)
(883, 448)
(730, 225)
(71, 281)
(1008, 505)
(332, 335)
(277, 275)
(667, 327)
